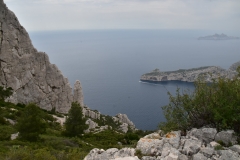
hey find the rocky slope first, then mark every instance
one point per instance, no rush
(34, 79)
(197, 144)
(191, 75)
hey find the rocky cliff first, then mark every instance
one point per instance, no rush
(34, 79)
(29, 72)
(191, 75)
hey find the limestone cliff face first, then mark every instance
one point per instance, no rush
(29, 72)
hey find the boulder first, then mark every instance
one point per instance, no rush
(227, 137)
(150, 146)
(191, 146)
(207, 135)
(111, 154)
(207, 152)
(235, 148)
(199, 156)
(228, 155)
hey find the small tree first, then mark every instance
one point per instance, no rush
(31, 123)
(4, 93)
(75, 123)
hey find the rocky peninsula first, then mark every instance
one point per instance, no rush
(218, 37)
(190, 75)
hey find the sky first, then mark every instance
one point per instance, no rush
(44, 15)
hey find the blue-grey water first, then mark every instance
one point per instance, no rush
(109, 64)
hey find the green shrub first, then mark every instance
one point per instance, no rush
(75, 122)
(31, 124)
(218, 147)
(215, 104)
(5, 132)
(138, 153)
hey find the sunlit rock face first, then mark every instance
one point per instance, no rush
(29, 72)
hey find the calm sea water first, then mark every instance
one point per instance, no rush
(109, 64)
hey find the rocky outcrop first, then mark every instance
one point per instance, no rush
(191, 75)
(29, 72)
(77, 94)
(198, 144)
(218, 37)
(125, 122)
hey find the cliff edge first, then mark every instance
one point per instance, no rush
(29, 72)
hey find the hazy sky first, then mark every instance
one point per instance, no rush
(127, 14)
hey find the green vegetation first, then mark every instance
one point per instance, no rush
(5, 92)
(31, 124)
(41, 137)
(218, 147)
(75, 123)
(215, 104)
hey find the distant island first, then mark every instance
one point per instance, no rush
(191, 75)
(218, 37)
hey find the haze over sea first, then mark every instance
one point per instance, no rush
(109, 64)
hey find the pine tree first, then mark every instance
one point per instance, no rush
(31, 124)
(75, 123)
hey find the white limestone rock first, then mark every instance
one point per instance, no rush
(29, 72)
(111, 154)
(235, 148)
(78, 95)
(227, 137)
(205, 134)
(123, 118)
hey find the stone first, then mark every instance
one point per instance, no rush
(214, 144)
(207, 152)
(14, 136)
(127, 158)
(183, 157)
(149, 146)
(91, 125)
(191, 146)
(199, 156)
(148, 158)
(123, 127)
(89, 113)
(112, 154)
(60, 120)
(227, 137)
(235, 148)
(173, 155)
(228, 155)
(173, 138)
(205, 134)
(123, 118)
(153, 136)
(78, 95)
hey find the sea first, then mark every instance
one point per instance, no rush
(109, 64)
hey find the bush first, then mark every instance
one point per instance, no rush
(215, 104)
(5, 132)
(31, 124)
